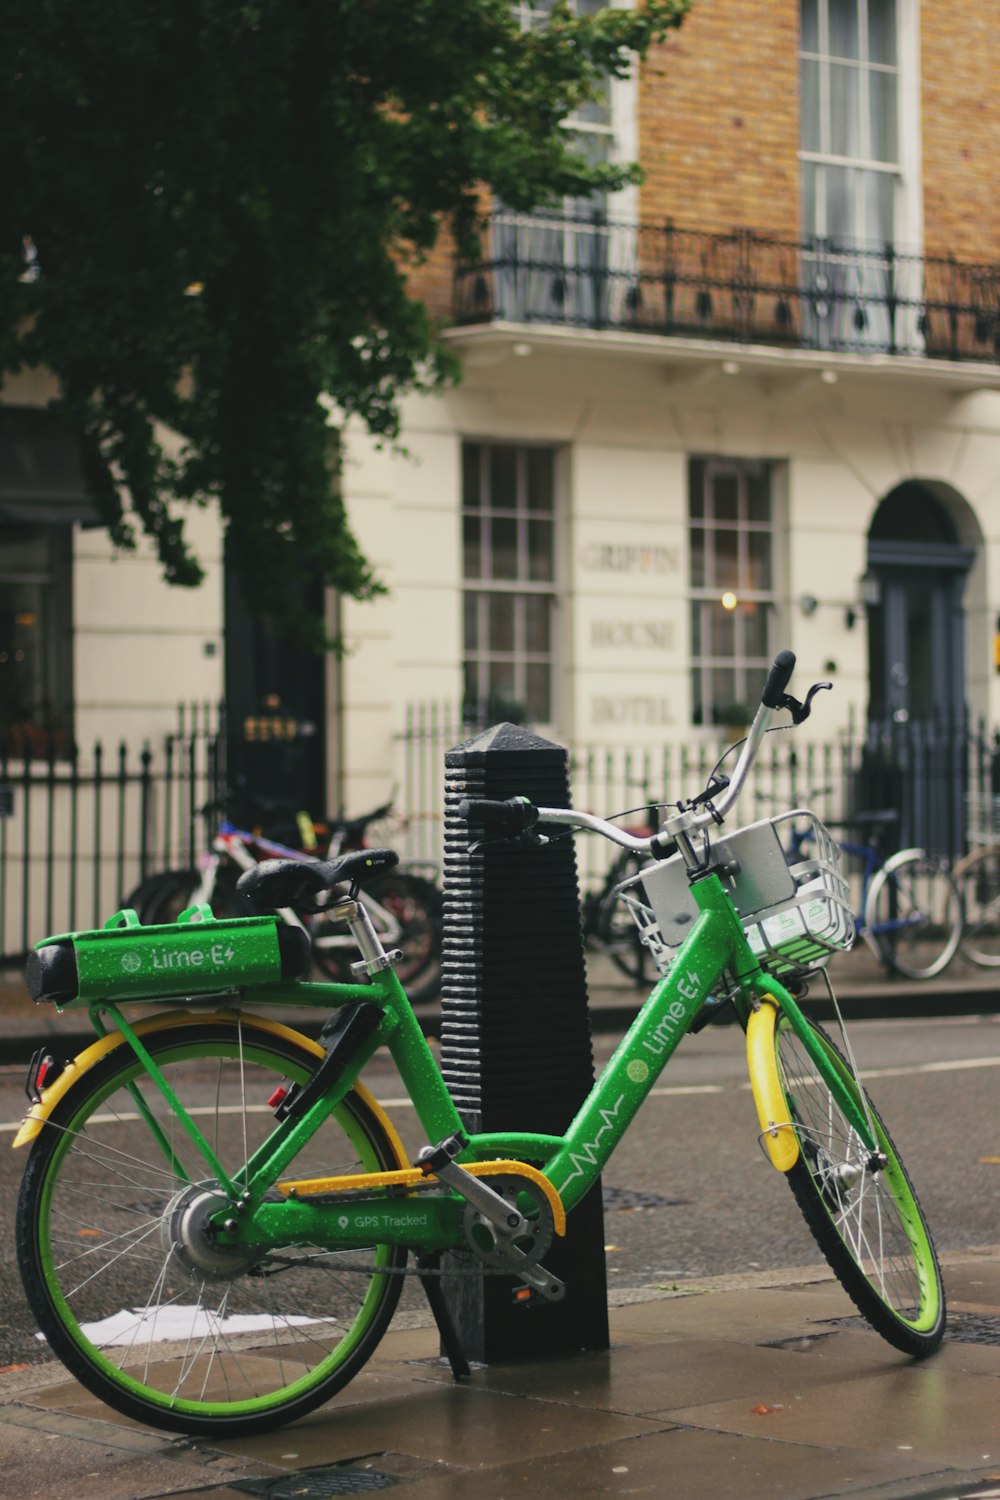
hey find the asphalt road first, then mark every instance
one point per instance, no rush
(689, 1193)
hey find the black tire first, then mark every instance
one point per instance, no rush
(617, 932)
(98, 1238)
(914, 914)
(864, 1215)
(978, 878)
(416, 905)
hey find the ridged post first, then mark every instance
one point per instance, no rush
(515, 1029)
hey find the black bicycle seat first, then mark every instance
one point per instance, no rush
(296, 883)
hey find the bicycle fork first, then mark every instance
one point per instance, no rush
(779, 1132)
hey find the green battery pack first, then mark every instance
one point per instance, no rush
(196, 955)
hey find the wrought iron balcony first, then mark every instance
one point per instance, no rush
(741, 287)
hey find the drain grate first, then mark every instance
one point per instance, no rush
(621, 1199)
(963, 1327)
(317, 1484)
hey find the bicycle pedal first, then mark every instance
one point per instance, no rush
(539, 1286)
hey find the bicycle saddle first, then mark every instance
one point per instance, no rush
(296, 882)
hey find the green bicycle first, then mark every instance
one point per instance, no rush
(216, 1215)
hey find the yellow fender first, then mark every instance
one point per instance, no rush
(777, 1131)
(85, 1060)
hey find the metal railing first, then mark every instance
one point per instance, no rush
(79, 832)
(943, 778)
(742, 286)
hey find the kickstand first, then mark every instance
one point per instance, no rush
(450, 1341)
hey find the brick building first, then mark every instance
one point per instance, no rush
(753, 403)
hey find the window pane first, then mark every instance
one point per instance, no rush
(541, 472)
(471, 488)
(882, 31)
(727, 568)
(537, 631)
(884, 144)
(697, 610)
(697, 557)
(809, 40)
(811, 138)
(845, 120)
(537, 681)
(503, 540)
(726, 707)
(755, 618)
(723, 622)
(470, 621)
(473, 563)
(843, 28)
(759, 548)
(696, 488)
(840, 209)
(502, 622)
(541, 551)
(501, 684)
(503, 478)
(810, 175)
(759, 495)
(725, 494)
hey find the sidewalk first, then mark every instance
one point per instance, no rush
(752, 1387)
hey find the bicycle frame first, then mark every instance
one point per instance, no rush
(716, 947)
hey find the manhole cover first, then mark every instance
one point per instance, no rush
(616, 1198)
(316, 1484)
(963, 1327)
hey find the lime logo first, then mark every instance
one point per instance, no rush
(637, 1070)
(131, 962)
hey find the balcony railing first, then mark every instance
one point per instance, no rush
(740, 287)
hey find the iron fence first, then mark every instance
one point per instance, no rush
(79, 831)
(742, 286)
(942, 779)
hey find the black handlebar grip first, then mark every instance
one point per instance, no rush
(777, 679)
(514, 815)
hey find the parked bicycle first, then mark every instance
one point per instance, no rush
(404, 907)
(911, 909)
(977, 875)
(216, 1215)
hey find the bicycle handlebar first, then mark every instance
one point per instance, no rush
(517, 815)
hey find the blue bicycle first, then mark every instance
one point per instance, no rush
(911, 912)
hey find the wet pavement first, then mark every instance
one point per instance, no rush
(762, 1387)
(759, 1387)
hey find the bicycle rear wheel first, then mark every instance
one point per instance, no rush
(914, 915)
(862, 1211)
(130, 1292)
(978, 878)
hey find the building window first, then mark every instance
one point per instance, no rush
(35, 644)
(508, 521)
(732, 587)
(850, 145)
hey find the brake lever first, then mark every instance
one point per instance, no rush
(801, 711)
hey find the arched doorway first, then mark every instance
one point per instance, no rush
(915, 582)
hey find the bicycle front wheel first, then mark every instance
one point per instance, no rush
(914, 916)
(862, 1210)
(133, 1296)
(616, 928)
(978, 878)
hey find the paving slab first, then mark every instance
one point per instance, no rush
(763, 1387)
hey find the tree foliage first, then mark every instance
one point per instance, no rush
(225, 197)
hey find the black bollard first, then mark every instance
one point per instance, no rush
(515, 1029)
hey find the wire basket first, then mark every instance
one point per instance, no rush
(796, 913)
